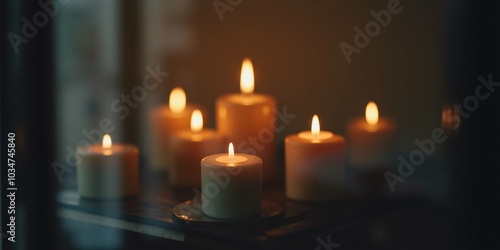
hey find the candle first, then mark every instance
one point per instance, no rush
(247, 119)
(371, 140)
(188, 147)
(231, 185)
(315, 164)
(164, 121)
(108, 171)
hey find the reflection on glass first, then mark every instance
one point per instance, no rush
(450, 119)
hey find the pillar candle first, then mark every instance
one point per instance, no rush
(108, 171)
(188, 147)
(371, 140)
(247, 119)
(164, 121)
(231, 185)
(315, 165)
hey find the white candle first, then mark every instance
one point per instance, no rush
(247, 119)
(315, 164)
(108, 171)
(166, 120)
(188, 147)
(371, 140)
(231, 185)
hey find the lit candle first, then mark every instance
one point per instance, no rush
(315, 164)
(247, 119)
(231, 185)
(371, 140)
(188, 147)
(108, 171)
(164, 121)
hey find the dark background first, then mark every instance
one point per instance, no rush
(430, 55)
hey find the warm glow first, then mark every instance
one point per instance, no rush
(315, 126)
(371, 113)
(177, 100)
(230, 150)
(247, 79)
(315, 135)
(230, 159)
(196, 121)
(450, 119)
(106, 142)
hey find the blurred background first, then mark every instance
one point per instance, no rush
(81, 63)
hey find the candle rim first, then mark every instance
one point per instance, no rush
(294, 138)
(383, 124)
(164, 111)
(116, 148)
(257, 99)
(205, 133)
(237, 159)
(251, 159)
(318, 137)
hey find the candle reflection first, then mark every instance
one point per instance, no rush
(450, 119)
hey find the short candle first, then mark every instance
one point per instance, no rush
(188, 147)
(231, 185)
(315, 164)
(165, 120)
(371, 140)
(108, 171)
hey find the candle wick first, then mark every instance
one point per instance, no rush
(315, 136)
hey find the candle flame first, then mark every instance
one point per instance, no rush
(247, 78)
(315, 126)
(177, 100)
(230, 150)
(371, 113)
(106, 141)
(196, 121)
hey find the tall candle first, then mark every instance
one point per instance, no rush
(247, 120)
(315, 164)
(188, 147)
(231, 185)
(164, 121)
(371, 140)
(108, 171)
